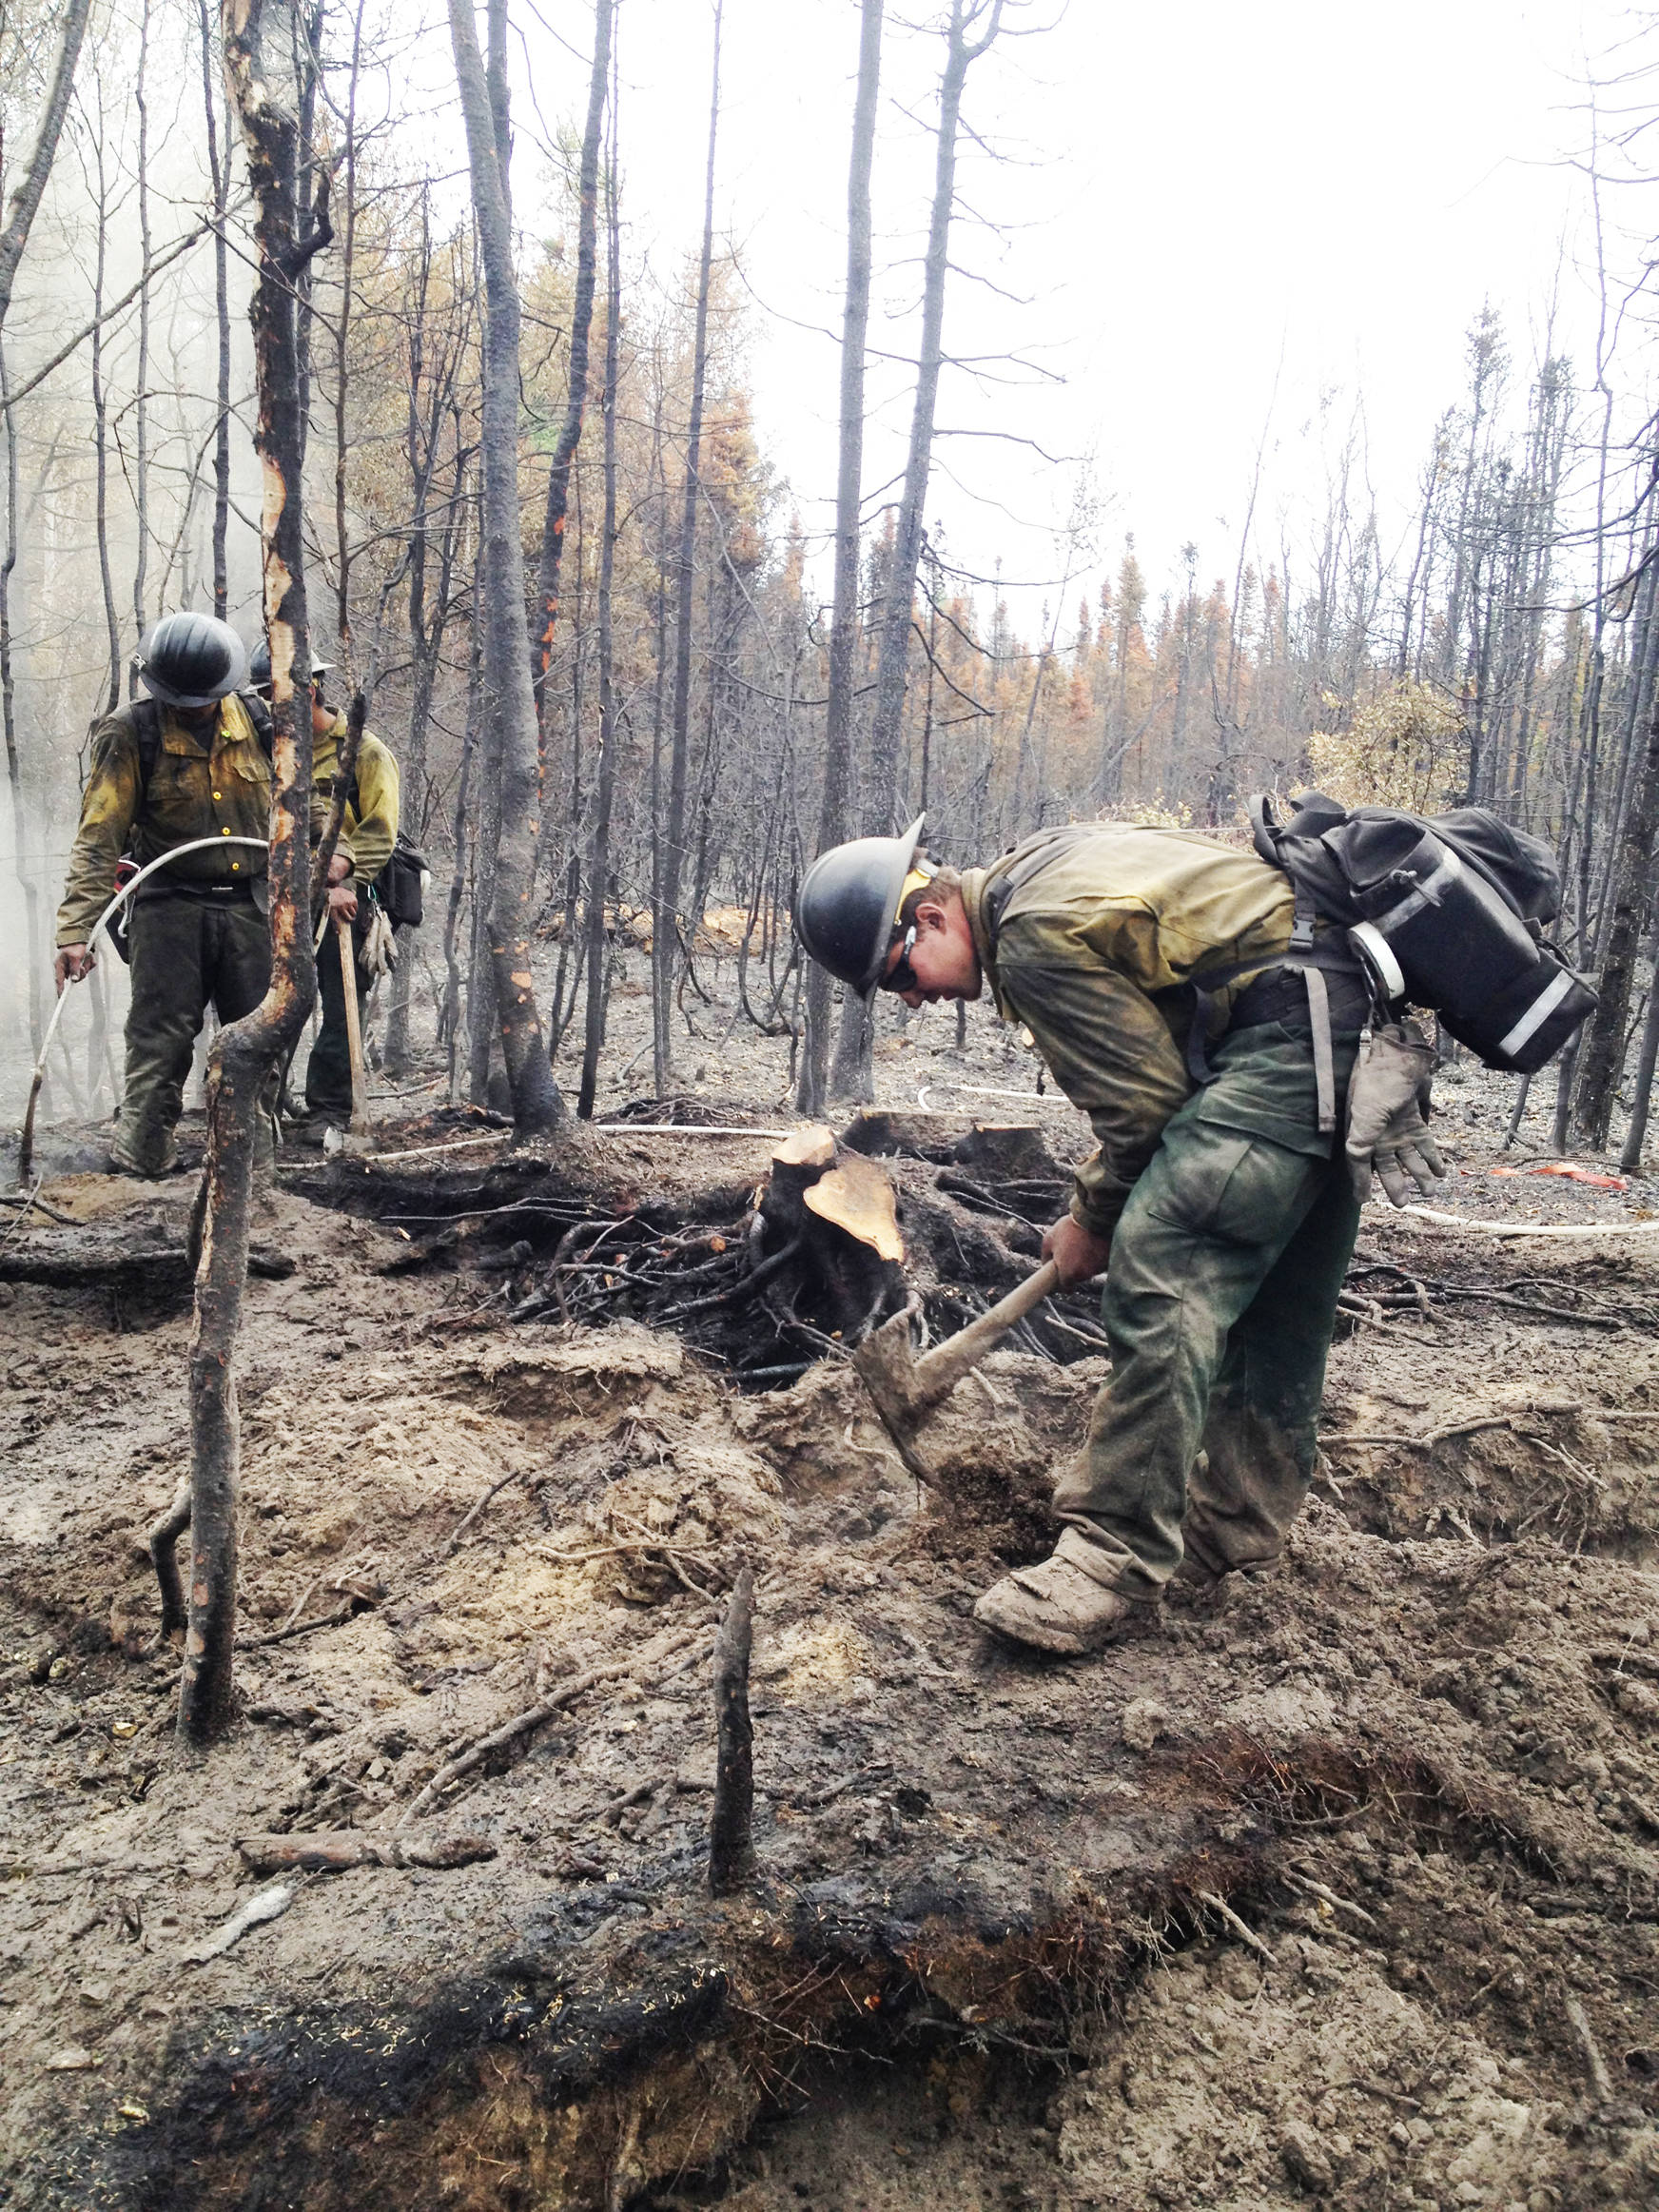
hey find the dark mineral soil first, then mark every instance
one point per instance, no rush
(1337, 1886)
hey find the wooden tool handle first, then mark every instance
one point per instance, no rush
(359, 1102)
(937, 1372)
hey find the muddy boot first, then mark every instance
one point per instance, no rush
(1195, 1575)
(1056, 1607)
(160, 1163)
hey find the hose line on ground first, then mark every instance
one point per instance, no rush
(26, 1150)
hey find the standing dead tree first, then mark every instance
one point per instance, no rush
(559, 474)
(605, 796)
(219, 170)
(664, 914)
(852, 1074)
(1601, 1057)
(266, 57)
(26, 202)
(835, 805)
(508, 707)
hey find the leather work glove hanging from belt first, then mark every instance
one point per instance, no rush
(377, 953)
(1386, 1128)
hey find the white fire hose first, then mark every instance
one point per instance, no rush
(26, 1150)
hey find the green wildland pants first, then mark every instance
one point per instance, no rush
(328, 1070)
(1220, 1302)
(188, 949)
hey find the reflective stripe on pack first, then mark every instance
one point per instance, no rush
(1426, 895)
(1538, 1013)
(1378, 953)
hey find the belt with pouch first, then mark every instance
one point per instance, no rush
(1281, 995)
(1317, 983)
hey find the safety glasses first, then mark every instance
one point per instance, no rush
(902, 976)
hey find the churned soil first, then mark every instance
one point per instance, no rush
(1337, 1886)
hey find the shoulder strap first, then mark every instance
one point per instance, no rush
(1268, 836)
(147, 729)
(1264, 830)
(258, 714)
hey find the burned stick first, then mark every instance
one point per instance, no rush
(336, 1850)
(163, 1534)
(731, 1841)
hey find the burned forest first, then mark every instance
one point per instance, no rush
(828, 1226)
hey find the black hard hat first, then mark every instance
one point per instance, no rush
(848, 902)
(259, 673)
(190, 660)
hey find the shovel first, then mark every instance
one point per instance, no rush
(907, 1390)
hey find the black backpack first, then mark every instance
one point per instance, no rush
(1447, 911)
(401, 887)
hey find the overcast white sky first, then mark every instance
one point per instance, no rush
(1200, 205)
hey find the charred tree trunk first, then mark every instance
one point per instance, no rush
(1602, 1053)
(140, 400)
(835, 812)
(558, 473)
(26, 884)
(220, 171)
(665, 922)
(343, 551)
(1647, 1059)
(509, 708)
(259, 50)
(851, 1076)
(605, 795)
(731, 1836)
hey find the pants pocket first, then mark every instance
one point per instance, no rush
(1220, 1182)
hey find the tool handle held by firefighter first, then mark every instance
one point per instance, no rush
(937, 1372)
(360, 1101)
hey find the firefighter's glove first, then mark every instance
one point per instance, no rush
(377, 953)
(1386, 1128)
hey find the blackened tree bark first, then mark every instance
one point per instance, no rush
(219, 172)
(665, 922)
(835, 806)
(1601, 1056)
(564, 452)
(1647, 1060)
(605, 795)
(26, 197)
(141, 396)
(851, 1077)
(433, 401)
(259, 48)
(508, 707)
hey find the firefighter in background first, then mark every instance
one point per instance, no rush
(368, 832)
(191, 759)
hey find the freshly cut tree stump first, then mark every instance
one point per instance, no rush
(796, 1165)
(838, 1217)
(877, 1131)
(858, 1198)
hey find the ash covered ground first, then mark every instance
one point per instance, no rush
(1340, 1886)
